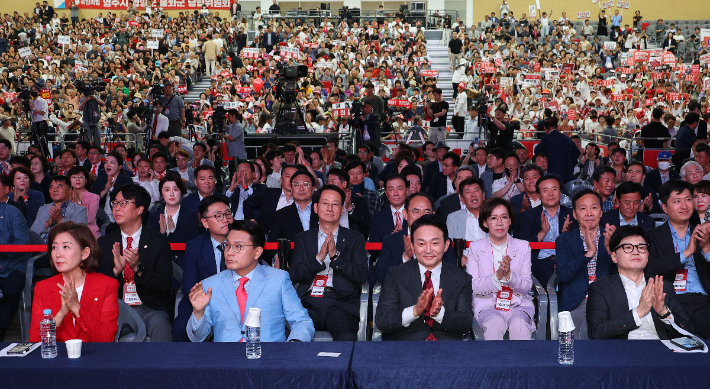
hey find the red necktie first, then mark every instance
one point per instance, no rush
(398, 223)
(93, 169)
(127, 271)
(155, 125)
(242, 296)
(428, 285)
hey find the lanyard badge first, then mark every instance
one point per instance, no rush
(318, 287)
(503, 299)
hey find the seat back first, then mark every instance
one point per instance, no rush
(102, 220)
(30, 274)
(659, 218)
(131, 327)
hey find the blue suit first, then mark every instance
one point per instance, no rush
(391, 254)
(572, 268)
(13, 230)
(271, 291)
(613, 218)
(34, 202)
(192, 201)
(561, 152)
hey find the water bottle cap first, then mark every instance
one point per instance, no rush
(566, 324)
(253, 318)
(47, 312)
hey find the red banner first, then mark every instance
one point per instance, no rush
(140, 4)
(404, 103)
(182, 89)
(641, 56)
(668, 58)
(429, 73)
(571, 114)
(243, 89)
(695, 69)
(658, 76)
(627, 71)
(9, 96)
(567, 67)
(673, 96)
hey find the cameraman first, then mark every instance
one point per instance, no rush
(159, 122)
(173, 109)
(501, 132)
(437, 111)
(89, 106)
(367, 126)
(234, 135)
(40, 110)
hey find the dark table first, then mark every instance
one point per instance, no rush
(516, 364)
(182, 365)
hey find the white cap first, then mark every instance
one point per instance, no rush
(565, 322)
(254, 318)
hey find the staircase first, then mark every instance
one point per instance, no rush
(439, 55)
(197, 88)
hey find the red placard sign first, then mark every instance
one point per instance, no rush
(46, 94)
(658, 76)
(617, 97)
(641, 56)
(9, 95)
(627, 71)
(242, 89)
(568, 67)
(571, 114)
(429, 73)
(399, 103)
(672, 96)
(668, 58)
(182, 89)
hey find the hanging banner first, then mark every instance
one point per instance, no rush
(164, 4)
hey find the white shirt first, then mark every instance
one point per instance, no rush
(501, 183)
(283, 202)
(449, 186)
(460, 104)
(408, 313)
(161, 124)
(394, 211)
(646, 329)
(175, 220)
(273, 180)
(40, 104)
(217, 253)
(152, 186)
(473, 229)
(328, 270)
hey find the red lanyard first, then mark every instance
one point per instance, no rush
(685, 243)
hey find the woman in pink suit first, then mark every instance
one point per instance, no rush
(500, 267)
(80, 180)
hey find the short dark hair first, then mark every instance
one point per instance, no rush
(24, 161)
(657, 113)
(602, 170)
(618, 150)
(63, 179)
(487, 209)
(397, 176)
(135, 192)
(340, 173)
(497, 152)
(209, 200)
(172, 178)
(540, 154)
(639, 164)
(200, 144)
(354, 164)
(256, 233)
(316, 198)
(546, 178)
(84, 237)
(80, 170)
(670, 187)
(472, 181)
(583, 193)
(84, 144)
(692, 118)
(409, 199)
(203, 168)
(550, 122)
(429, 220)
(455, 158)
(163, 135)
(301, 172)
(628, 187)
(624, 232)
(70, 151)
(530, 167)
(6, 143)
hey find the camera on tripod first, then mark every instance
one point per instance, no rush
(356, 109)
(156, 90)
(218, 117)
(190, 114)
(88, 89)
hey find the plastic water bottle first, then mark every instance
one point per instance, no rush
(253, 333)
(48, 332)
(566, 326)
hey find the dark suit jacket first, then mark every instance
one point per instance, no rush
(402, 288)
(360, 219)
(373, 128)
(438, 186)
(449, 205)
(34, 202)
(186, 230)
(613, 218)
(274, 41)
(609, 316)
(391, 254)
(383, 225)
(531, 225)
(234, 200)
(572, 268)
(349, 270)
(199, 263)
(653, 179)
(663, 260)
(561, 152)
(287, 225)
(100, 184)
(154, 285)
(191, 201)
(431, 169)
(262, 207)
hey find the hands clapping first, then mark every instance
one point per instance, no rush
(652, 297)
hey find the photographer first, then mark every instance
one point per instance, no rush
(159, 123)
(173, 109)
(367, 126)
(437, 111)
(134, 123)
(89, 105)
(40, 110)
(501, 132)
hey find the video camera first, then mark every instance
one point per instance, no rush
(218, 117)
(156, 90)
(356, 109)
(88, 88)
(191, 114)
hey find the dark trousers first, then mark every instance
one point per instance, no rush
(543, 269)
(456, 89)
(458, 122)
(11, 290)
(175, 128)
(328, 316)
(697, 306)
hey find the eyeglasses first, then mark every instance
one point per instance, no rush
(121, 204)
(236, 248)
(417, 212)
(219, 216)
(641, 248)
(299, 185)
(77, 177)
(330, 205)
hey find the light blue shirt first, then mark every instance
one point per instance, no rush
(552, 234)
(623, 222)
(217, 253)
(305, 216)
(693, 282)
(369, 184)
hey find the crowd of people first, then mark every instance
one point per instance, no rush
(109, 209)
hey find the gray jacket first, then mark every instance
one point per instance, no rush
(236, 147)
(75, 213)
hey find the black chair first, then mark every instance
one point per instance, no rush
(131, 327)
(30, 274)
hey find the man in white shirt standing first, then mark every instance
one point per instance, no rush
(160, 122)
(460, 104)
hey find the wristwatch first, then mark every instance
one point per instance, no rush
(335, 256)
(666, 315)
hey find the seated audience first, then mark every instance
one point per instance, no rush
(106, 185)
(28, 199)
(604, 180)
(630, 201)
(13, 230)
(60, 210)
(662, 174)
(390, 219)
(463, 224)
(442, 183)
(80, 180)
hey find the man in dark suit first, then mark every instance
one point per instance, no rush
(629, 195)
(680, 251)
(140, 259)
(694, 106)
(262, 207)
(426, 299)
(440, 149)
(561, 151)
(357, 216)
(242, 187)
(93, 162)
(203, 256)
(295, 218)
(530, 173)
(368, 126)
(330, 266)
(270, 39)
(442, 183)
(659, 176)
(608, 314)
(206, 182)
(390, 219)
(636, 173)
(581, 256)
(397, 247)
(452, 202)
(235, 9)
(685, 137)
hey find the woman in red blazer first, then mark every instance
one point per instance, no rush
(84, 304)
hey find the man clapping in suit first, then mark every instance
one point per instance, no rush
(330, 265)
(228, 295)
(426, 299)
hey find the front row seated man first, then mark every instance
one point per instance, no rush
(426, 299)
(221, 302)
(627, 305)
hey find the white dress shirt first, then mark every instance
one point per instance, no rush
(175, 220)
(501, 183)
(328, 270)
(449, 186)
(408, 313)
(283, 202)
(40, 104)
(136, 239)
(161, 124)
(646, 329)
(394, 211)
(473, 229)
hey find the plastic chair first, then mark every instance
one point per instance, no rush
(177, 274)
(102, 220)
(325, 336)
(577, 189)
(659, 218)
(26, 296)
(127, 316)
(570, 186)
(553, 308)
(376, 333)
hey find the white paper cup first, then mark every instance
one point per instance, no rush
(253, 317)
(566, 324)
(73, 348)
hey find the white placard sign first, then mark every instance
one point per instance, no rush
(623, 4)
(156, 33)
(584, 15)
(289, 52)
(609, 45)
(506, 82)
(153, 45)
(230, 105)
(64, 39)
(532, 11)
(25, 52)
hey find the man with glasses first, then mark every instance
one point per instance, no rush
(141, 260)
(221, 302)
(330, 265)
(205, 182)
(95, 165)
(203, 255)
(262, 206)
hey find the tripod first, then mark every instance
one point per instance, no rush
(39, 131)
(289, 119)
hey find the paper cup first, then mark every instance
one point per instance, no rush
(73, 348)
(566, 324)
(253, 318)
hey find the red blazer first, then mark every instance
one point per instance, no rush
(99, 309)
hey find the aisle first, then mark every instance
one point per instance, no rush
(439, 54)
